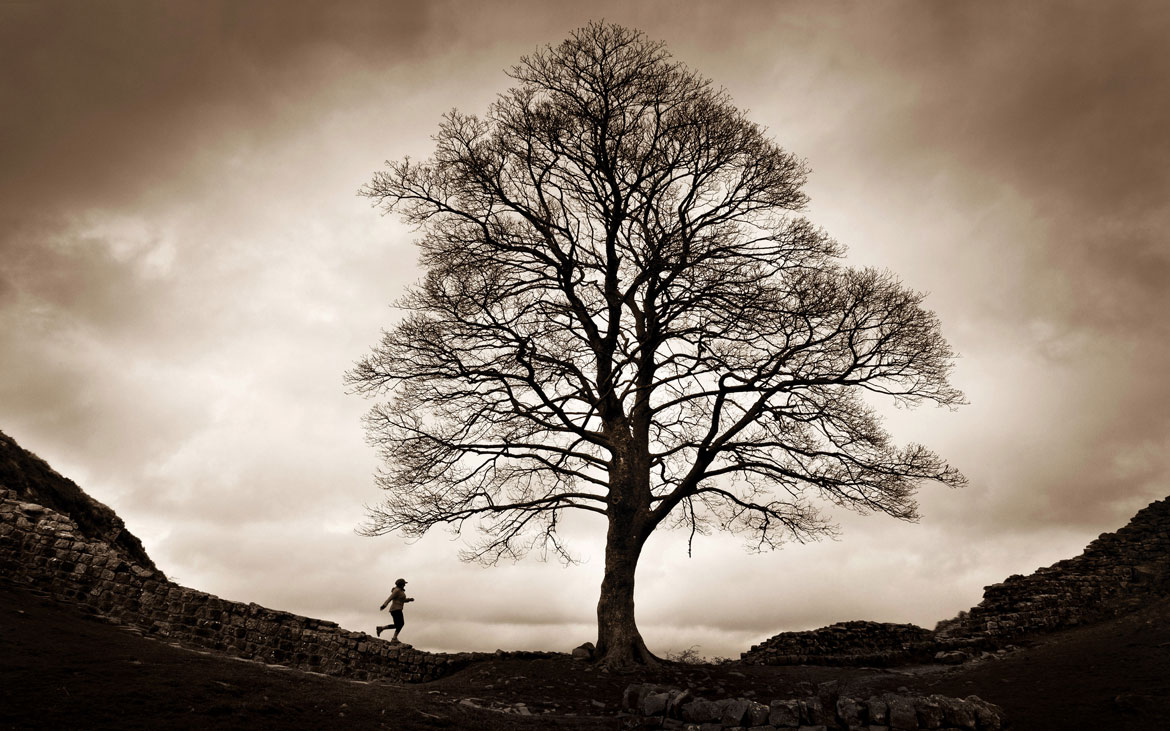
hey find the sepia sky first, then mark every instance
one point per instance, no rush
(186, 271)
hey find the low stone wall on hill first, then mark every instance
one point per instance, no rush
(44, 550)
(34, 481)
(846, 643)
(1116, 574)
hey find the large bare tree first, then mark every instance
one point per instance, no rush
(622, 313)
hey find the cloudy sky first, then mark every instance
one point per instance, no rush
(186, 272)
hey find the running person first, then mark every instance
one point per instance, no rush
(396, 600)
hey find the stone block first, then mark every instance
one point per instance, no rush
(902, 715)
(654, 704)
(956, 713)
(678, 698)
(784, 714)
(877, 710)
(930, 713)
(987, 716)
(849, 711)
(757, 715)
(812, 712)
(632, 697)
(735, 710)
(701, 711)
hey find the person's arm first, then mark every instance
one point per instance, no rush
(385, 602)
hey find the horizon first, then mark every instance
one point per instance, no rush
(187, 271)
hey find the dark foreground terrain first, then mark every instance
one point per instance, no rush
(63, 668)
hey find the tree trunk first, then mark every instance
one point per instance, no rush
(619, 644)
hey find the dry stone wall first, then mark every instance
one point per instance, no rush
(1117, 573)
(34, 481)
(663, 707)
(846, 643)
(44, 550)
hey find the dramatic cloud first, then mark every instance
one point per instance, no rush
(186, 272)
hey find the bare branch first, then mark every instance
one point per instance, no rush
(624, 312)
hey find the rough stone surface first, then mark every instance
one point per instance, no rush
(734, 711)
(654, 704)
(584, 652)
(901, 713)
(757, 715)
(784, 713)
(846, 643)
(889, 712)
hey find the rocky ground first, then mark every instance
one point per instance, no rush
(63, 668)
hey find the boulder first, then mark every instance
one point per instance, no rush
(584, 652)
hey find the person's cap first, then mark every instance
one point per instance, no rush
(400, 582)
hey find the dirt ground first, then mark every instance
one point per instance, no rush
(62, 668)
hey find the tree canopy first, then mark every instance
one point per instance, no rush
(624, 312)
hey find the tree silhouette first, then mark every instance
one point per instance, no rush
(622, 313)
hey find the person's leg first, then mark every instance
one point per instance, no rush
(399, 622)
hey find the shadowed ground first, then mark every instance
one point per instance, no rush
(61, 667)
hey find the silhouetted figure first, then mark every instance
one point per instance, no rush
(396, 600)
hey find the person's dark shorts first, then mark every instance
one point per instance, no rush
(396, 615)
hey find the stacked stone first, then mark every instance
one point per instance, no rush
(845, 643)
(664, 707)
(34, 481)
(1117, 573)
(43, 550)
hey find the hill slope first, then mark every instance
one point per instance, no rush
(35, 481)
